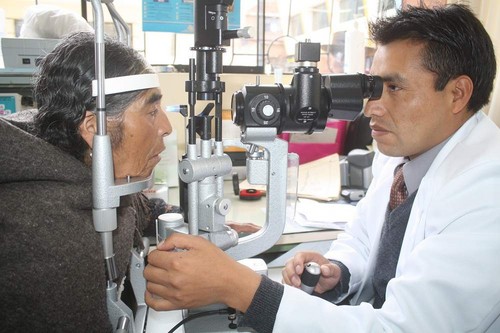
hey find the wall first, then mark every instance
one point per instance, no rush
(488, 12)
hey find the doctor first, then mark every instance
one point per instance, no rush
(422, 253)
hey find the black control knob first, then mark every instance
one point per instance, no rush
(265, 109)
(310, 277)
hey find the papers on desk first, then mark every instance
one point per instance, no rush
(318, 180)
(325, 215)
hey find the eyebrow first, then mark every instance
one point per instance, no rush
(153, 98)
(396, 77)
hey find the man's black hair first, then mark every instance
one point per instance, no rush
(455, 43)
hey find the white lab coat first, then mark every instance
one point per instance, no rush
(448, 273)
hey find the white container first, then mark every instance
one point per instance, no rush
(169, 223)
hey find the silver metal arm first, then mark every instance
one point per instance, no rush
(267, 168)
(106, 195)
(266, 165)
(121, 26)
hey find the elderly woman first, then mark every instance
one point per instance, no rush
(52, 272)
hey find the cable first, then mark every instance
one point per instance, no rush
(232, 54)
(198, 315)
(282, 36)
(289, 18)
(330, 40)
(175, 48)
(272, 43)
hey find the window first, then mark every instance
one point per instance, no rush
(351, 9)
(296, 25)
(320, 17)
(286, 23)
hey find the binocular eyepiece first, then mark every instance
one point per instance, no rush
(306, 104)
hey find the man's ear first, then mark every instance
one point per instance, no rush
(462, 88)
(88, 128)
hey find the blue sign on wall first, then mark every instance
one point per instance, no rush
(7, 105)
(177, 15)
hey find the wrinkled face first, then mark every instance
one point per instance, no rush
(143, 125)
(411, 116)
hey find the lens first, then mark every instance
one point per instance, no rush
(238, 108)
(347, 92)
(258, 106)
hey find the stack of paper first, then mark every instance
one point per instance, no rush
(320, 179)
(325, 215)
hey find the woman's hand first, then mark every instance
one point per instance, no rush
(247, 228)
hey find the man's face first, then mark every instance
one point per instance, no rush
(411, 116)
(143, 127)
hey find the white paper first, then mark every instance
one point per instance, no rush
(326, 215)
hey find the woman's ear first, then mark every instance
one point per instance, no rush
(88, 128)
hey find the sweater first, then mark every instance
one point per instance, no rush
(51, 259)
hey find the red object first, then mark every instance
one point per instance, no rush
(332, 142)
(250, 194)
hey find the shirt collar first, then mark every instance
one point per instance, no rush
(414, 170)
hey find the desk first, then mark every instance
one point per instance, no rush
(254, 211)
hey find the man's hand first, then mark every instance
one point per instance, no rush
(188, 271)
(330, 273)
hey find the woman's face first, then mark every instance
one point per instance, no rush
(143, 125)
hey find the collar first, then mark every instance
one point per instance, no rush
(414, 170)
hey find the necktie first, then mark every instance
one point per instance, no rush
(398, 188)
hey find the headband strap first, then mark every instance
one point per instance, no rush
(122, 84)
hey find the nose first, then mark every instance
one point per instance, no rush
(165, 125)
(367, 109)
(373, 108)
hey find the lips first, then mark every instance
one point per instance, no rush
(376, 127)
(157, 153)
(378, 130)
(156, 156)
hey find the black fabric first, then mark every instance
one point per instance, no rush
(52, 268)
(391, 239)
(261, 313)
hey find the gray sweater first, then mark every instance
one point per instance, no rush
(51, 261)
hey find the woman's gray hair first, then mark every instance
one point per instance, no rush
(63, 89)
